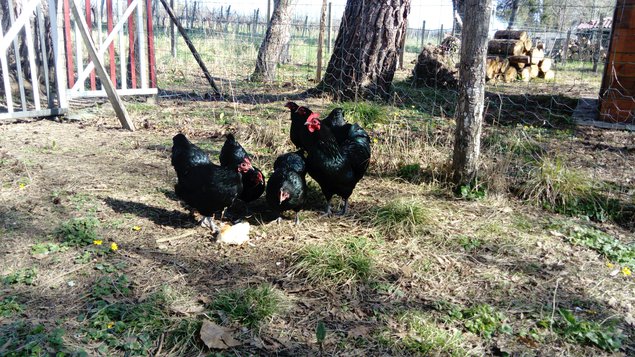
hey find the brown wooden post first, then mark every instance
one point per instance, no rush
(70, 74)
(402, 46)
(318, 72)
(596, 55)
(423, 34)
(93, 83)
(328, 36)
(172, 34)
(111, 48)
(131, 50)
(441, 35)
(566, 48)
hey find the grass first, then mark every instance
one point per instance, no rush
(338, 262)
(484, 321)
(606, 337)
(78, 232)
(403, 216)
(367, 114)
(249, 306)
(9, 306)
(427, 338)
(26, 276)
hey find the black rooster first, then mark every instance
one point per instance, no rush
(298, 118)
(204, 186)
(286, 188)
(337, 167)
(232, 155)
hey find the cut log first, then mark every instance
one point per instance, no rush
(534, 70)
(510, 35)
(518, 59)
(506, 47)
(525, 75)
(491, 67)
(548, 76)
(510, 74)
(528, 45)
(520, 65)
(504, 65)
(545, 64)
(537, 55)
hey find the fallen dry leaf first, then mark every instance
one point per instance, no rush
(359, 331)
(219, 337)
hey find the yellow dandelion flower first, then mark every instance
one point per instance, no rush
(97, 242)
(110, 324)
(114, 246)
(609, 265)
(626, 271)
(136, 228)
(22, 185)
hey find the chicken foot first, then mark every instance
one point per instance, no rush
(344, 210)
(209, 223)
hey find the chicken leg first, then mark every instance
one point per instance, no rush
(209, 223)
(297, 218)
(345, 209)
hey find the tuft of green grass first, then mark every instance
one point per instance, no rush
(249, 306)
(402, 216)
(426, 338)
(78, 232)
(21, 338)
(133, 327)
(9, 306)
(484, 320)
(338, 262)
(365, 113)
(606, 337)
(410, 172)
(553, 185)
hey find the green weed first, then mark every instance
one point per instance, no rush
(338, 262)
(9, 306)
(402, 216)
(78, 232)
(426, 338)
(25, 276)
(47, 248)
(367, 114)
(22, 338)
(249, 306)
(605, 337)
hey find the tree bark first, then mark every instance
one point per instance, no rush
(366, 50)
(469, 113)
(512, 17)
(276, 38)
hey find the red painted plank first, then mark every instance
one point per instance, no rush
(70, 74)
(131, 49)
(93, 85)
(150, 35)
(111, 48)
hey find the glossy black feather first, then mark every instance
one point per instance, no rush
(298, 118)
(292, 161)
(186, 155)
(288, 176)
(232, 154)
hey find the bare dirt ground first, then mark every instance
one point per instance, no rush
(454, 255)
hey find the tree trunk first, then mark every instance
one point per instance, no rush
(469, 113)
(458, 7)
(512, 17)
(275, 39)
(366, 50)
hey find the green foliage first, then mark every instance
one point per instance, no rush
(607, 338)
(410, 173)
(78, 232)
(426, 338)
(605, 244)
(249, 306)
(9, 306)
(25, 276)
(21, 338)
(551, 184)
(472, 192)
(367, 114)
(47, 248)
(337, 262)
(111, 285)
(320, 332)
(469, 243)
(402, 215)
(133, 327)
(482, 320)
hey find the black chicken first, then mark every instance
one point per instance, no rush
(336, 167)
(204, 186)
(338, 125)
(298, 118)
(232, 155)
(286, 188)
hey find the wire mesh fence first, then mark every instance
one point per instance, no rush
(228, 40)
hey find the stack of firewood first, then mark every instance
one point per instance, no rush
(511, 55)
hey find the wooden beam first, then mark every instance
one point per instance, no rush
(150, 34)
(89, 22)
(189, 43)
(141, 47)
(116, 102)
(25, 16)
(131, 50)
(111, 46)
(33, 113)
(70, 74)
(57, 30)
(5, 78)
(35, 83)
(18, 60)
(44, 55)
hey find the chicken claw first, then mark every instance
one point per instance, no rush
(344, 210)
(209, 223)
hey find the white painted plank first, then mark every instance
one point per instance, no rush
(18, 62)
(33, 113)
(44, 54)
(141, 53)
(104, 46)
(57, 28)
(116, 102)
(5, 79)
(79, 54)
(25, 15)
(35, 83)
(122, 92)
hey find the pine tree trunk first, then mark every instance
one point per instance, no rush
(276, 38)
(469, 113)
(366, 50)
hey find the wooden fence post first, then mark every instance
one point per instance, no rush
(423, 35)
(402, 46)
(172, 34)
(596, 54)
(566, 48)
(318, 72)
(440, 35)
(328, 37)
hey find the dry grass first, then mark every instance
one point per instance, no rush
(375, 278)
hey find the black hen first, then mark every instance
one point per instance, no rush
(298, 118)
(186, 155)
(204, 186)
(336, 167)
(286, 188)
(233, 155)
(338, 125)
